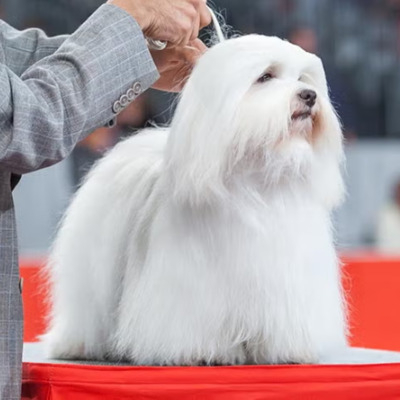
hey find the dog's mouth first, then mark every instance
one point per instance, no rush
(301, 115)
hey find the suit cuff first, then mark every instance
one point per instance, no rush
(121, 52)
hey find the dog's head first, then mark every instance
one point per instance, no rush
(255, 107)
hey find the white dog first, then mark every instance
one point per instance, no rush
(211, 242)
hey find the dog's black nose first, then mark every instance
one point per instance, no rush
(308, 96)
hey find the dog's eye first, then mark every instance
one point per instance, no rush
(264, 78)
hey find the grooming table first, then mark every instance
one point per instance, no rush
(372, 284)
(60, 381)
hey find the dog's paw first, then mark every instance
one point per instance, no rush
(62, 349)
(232, 356)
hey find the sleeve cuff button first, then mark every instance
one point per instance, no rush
(131, 94)
(124, 101)
(117, 107)
(137, 87)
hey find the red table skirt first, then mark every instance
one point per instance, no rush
(82, 382)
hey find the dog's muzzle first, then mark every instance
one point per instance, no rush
(308, 98)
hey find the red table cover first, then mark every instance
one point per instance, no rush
(84, 382)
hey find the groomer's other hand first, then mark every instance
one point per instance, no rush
(175, 21)
(175, 65)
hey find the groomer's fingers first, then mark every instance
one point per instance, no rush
(199, 45)
(191, 53)
(196, 27)
(173, 21)
(176, 64)
(205, 15)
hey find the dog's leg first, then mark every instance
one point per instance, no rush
(170, 322)
(176, 312)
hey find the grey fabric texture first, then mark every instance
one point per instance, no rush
(54, 91)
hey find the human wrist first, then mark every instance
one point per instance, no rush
(135, 10)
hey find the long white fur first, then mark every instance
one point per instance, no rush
(211, 242)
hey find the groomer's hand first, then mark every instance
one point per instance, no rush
(175, 21)
(175, 65)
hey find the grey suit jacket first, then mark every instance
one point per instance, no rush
(54, 91)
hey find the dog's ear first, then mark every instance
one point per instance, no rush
(317, 72)
(201, 137)
(196, 160)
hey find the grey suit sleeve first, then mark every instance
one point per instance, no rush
(94, 74)
(24, 48)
